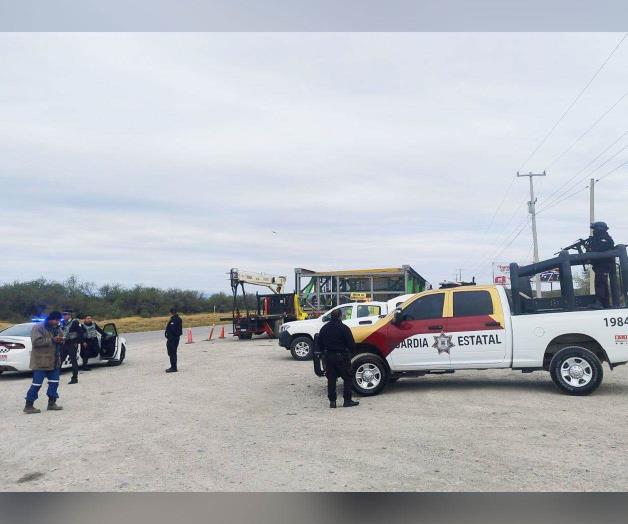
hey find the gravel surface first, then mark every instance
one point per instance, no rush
(242, 415)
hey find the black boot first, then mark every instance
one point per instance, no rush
(30, 409)
(86, 367)
(171, 370)
(73, 380)
(53, 406)
(350, 403)
(332, 403)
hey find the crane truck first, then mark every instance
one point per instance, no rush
(271, 310)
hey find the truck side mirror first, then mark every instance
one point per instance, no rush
(398, 316)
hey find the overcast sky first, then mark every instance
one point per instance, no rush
(166, 159)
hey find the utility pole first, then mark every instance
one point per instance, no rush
(591, 220)
(532, 211)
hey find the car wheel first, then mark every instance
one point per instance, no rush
(576, 371)
(370, 374)
(301, 348)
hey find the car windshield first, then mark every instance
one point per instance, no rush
(19, 330)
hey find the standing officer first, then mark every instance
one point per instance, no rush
(89, 347)
(72, 337)
(336, 342)
(45, 362)
(600, 241)
(173, 333)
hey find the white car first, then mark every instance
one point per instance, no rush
(15, 348)
(298, 336)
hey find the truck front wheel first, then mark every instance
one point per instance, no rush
(576, 371)
(301, 348)
(370, 374)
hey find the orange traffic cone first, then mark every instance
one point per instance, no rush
(211, 333)
(190, 341)
(222, 332)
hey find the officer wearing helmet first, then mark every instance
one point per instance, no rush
(598, 242)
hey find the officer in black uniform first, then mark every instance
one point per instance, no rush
(600, 241)
(336, 342)
(72, 337)
(173, 333)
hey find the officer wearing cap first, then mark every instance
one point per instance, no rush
(601, 241)
(72, 337)
(337, 344)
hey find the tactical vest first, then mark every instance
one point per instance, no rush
(67, 334)
(90, 331)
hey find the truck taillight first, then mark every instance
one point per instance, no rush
(11, 345)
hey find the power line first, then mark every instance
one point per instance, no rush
(583, 188)
(587, 166)
(612, 171)
(573, 103)
(585, 176)
(589, 129)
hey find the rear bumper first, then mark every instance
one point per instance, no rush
(284, 339)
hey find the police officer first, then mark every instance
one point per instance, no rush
(72, 337)
(601, 241)
(336, 342)
(89, 347)
(45, 362)
(173, 333)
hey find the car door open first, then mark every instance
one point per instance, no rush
(109, 341)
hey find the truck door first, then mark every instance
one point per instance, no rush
(419, 340)
(477, 328)
(366, 314)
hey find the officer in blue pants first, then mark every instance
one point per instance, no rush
(45, 362)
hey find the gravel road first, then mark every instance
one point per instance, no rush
(242, 415)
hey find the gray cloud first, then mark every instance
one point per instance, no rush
(168, 158)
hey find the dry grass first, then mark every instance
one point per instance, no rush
(134, 324)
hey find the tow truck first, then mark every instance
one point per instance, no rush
(490, 327)
(271, 310)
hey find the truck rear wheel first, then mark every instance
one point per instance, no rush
(245, 336)
(370, 374)
(301, 348)
(576, 371)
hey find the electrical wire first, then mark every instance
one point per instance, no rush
(583, 178)
(559, 188)
(588, 130)
(573, 103)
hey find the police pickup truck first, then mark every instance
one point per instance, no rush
(490, 327)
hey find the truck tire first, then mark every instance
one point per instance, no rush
(246, 336)
(370, 374)
(576, 371)
(301, 348)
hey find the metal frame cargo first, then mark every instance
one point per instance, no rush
(326, 289)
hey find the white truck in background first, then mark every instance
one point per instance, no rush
(298, 336)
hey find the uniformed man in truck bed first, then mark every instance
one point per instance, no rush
(336, 342)
(600, 241)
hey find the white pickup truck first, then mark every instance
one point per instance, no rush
(298, 335)
(475, 327)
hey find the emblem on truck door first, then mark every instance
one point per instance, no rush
(443, 343)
